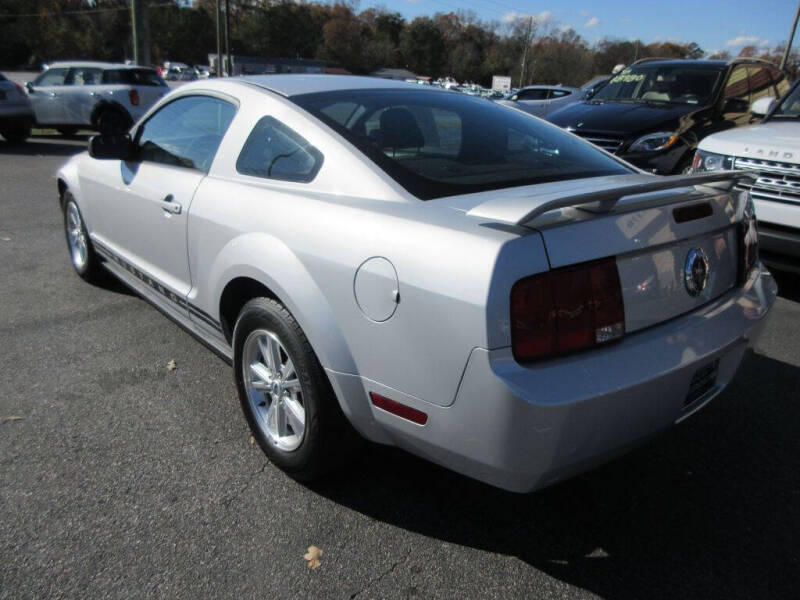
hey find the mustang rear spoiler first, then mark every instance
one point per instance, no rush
(516, 211)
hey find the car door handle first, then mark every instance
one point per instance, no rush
(169, 205)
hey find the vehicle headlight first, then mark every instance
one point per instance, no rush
(709, 161)
(653, 142)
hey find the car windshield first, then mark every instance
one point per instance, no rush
(440, 143)
(790, 107)
(669, 84)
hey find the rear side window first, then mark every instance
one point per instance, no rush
(85, 76)
(273, 151)
(185, 132)
(532, 95)
(738, 86)
(147, 77)
(143, 77)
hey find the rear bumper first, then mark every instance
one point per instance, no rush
(524, 427)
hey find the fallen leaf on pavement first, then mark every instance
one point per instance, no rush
(252, 441)
(171, 366)
(312, 556)
(11, 418)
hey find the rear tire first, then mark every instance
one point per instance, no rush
(81, 251)
(112, 121)
(292, 411)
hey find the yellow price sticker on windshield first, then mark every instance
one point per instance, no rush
(627, 78)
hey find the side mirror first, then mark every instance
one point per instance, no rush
(735, 105)
(762, 106)
(29, 87)
(111, 147)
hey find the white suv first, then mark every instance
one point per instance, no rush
(771, 150)
(104, 96)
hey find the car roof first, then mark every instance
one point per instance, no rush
(95, 64)
(296, 84)
(545, 86)
(682, 62)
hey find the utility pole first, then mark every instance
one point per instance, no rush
(791, 38)
(134, 35)
(219, 46)
(528, 31)
(140, 32)
(228, 61)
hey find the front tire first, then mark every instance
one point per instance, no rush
(285, 395)
(81, 252)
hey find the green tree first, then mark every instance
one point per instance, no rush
(422, 47)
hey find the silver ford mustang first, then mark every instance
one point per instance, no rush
(424, 268)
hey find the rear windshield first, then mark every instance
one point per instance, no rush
(145, 77)
(439, 143)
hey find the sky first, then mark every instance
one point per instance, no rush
(713, 24)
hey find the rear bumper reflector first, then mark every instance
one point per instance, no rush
(401, 410)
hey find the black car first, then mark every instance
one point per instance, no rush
(654, 112)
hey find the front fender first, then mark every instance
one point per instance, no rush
(68, 178)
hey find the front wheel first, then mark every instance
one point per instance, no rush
(81, 252)
(285, 394)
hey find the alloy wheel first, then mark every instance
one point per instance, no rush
(76, 237)
(273, 389)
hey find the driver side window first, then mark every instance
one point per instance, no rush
(186, 132)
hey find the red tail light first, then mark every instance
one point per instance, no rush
(566, 309)
(134, 97)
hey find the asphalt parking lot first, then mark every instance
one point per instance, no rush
(120, 478)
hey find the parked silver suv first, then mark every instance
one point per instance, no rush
(103, 96)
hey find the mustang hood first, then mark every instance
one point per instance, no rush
(621, 118)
